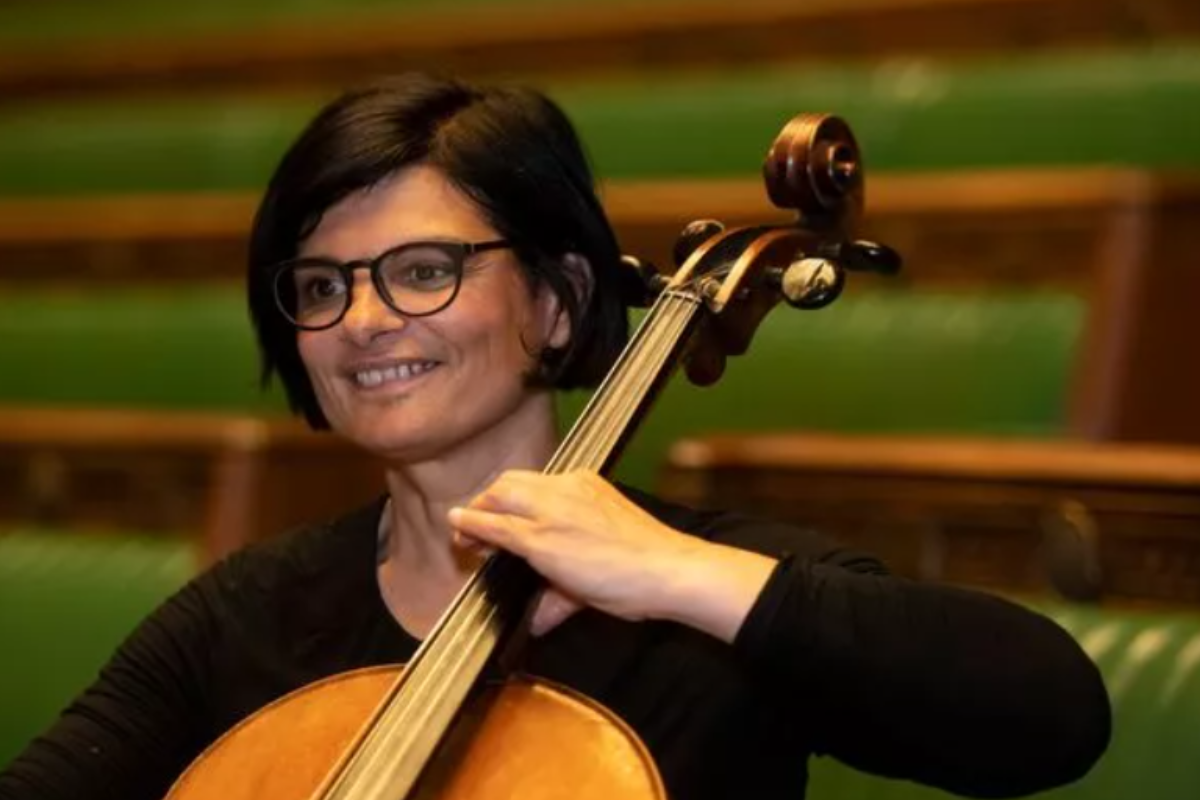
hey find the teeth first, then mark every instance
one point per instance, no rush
(375, 377)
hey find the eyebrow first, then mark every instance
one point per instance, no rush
(424, 240)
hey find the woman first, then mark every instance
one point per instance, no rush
(429, 262)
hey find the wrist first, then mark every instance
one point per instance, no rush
(711, 587)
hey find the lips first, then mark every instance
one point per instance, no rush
(370, 377)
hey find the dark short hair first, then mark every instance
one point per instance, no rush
(511, 150)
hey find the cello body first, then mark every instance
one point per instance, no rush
(521, 738)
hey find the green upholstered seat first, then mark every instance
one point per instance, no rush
(38, 24)
(66, 601)
(1151, 664)
(995, 364)
(1136, 108)
(140, 348)
(874, 361)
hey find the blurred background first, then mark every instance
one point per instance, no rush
(1019, 410)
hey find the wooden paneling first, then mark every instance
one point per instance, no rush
(1138, 379)
(229, 480)
(625, 36)
(994, 228)
(1122, 238)
(1087, 520)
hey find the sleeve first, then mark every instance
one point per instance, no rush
(135, 729)
(948, 687)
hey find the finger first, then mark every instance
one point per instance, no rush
(514, 492)
(553, 609)
(470, 544)
(498, 530)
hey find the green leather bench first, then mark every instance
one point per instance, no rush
(185, 348)
(1135, 108)
(36, 24)
(992, 364)
(1151, 664)
(66, 601)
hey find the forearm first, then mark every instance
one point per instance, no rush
(951, 688)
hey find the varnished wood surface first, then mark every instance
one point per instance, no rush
(227, 480)
(1092, 521)
(105, 427)
(524, 739)
(1045, 462)
(624, 36)
(1046, 227)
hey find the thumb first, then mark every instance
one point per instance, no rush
(553, 609)
(470, 544)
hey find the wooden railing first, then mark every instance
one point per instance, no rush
(1021, 227)
(227, 480)
(1086, 520)
(1124, 239)
(610, 37)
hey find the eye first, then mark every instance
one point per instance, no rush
(429, 273)
(422, 272)
(318, 285)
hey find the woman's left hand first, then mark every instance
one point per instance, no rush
(595, 547)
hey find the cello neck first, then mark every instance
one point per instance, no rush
(403, 735)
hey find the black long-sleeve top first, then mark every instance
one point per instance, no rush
(948, 687)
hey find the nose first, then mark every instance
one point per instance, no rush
(368, 316)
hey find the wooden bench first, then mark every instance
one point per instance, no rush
(1121, 238)
(1090, 521)
(227, 480)
(522, 38)
(1018, 228)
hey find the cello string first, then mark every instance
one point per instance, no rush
(585, 420)
(446, 659)
(464, 607)
(612, 391)
(392, 738)
(678, 316)
(649, 328)
(688, 291)
(586, 448)
(653, 356)
(452, 649)
(390, 771)
(440, 660)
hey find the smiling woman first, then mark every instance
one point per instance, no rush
(428, 266)
(438, 360)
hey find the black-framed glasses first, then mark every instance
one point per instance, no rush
(416, 279)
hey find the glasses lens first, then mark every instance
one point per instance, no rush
(313, 295)
(421, 279)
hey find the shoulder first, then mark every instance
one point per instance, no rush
(749, 532)
(276, 577)
(305, 552)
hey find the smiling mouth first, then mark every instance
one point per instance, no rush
(373, 378)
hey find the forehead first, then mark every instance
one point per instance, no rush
(413, 204)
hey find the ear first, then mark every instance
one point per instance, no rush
(556, 323)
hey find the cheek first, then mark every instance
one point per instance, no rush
(500, 332)
(314, 353)
(514, 345)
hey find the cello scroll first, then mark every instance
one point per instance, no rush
(814, 167)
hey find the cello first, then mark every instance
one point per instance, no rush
(442, 726)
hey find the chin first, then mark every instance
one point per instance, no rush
(393, 440)
(401, 435)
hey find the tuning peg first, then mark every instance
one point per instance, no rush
(809, 283)
(695, 234)
(641, 281)
(864, 256)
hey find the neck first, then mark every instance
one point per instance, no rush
(417, 537)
